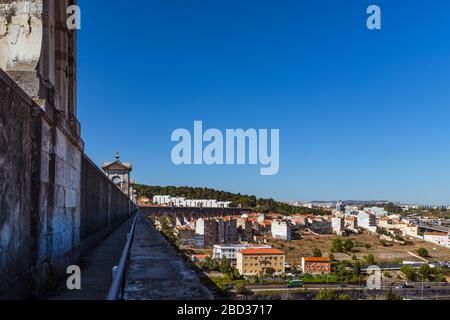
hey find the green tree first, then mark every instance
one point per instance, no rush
(370, 259)
(241, 288)
(424, 271)
(409, 272)
(344, 297)
(422, 252)
(336, 245)
(317, 252)
(224, 266)
(326, 294)
(213, 265)
(270, 271)
(348, 245)
(393, 296)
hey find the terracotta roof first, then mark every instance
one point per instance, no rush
(317, 259)
(261, 251)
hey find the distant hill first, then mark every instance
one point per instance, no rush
(237, 199)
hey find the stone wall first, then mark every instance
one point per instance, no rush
(17, 124)
(103, 204)
(54, 202)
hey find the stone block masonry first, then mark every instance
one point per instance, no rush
(54, 202)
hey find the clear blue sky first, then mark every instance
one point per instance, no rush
(362, 114)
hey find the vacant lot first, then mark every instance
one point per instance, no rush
(364, 244)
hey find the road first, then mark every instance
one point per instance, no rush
(350, 287)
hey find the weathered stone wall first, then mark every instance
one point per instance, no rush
(54, 202)
(103, 204)
(17, 122)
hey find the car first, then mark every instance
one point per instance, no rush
(400, 286)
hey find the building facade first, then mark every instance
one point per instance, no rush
(316, 265)
(230, 252)
(119, 173)
(254, 262)
(440, 238)
(367, 220)
(281, 230)
(208, 228)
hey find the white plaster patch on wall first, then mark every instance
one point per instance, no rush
(21, 35)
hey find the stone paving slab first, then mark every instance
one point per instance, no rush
(156, 271)
(96, 268)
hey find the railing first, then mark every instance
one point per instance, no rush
(115, 292)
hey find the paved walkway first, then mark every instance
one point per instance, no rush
(96, 268)
(156, 271)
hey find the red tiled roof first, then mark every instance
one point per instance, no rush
(317, 259)
(262, 251)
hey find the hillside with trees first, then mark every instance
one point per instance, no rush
(237, 199)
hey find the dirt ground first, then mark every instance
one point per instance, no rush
(395, 253)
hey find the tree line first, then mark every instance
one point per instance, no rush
(238, 200)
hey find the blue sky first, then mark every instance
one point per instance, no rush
(362, 114)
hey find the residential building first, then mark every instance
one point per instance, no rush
(208, 229)
(338, 225)
(340, 207)
(319, 225)
(377, 211)
(367, 220)
(199, 241)
(261, 218)
(194, 203)
(186, 235)
(281, 230)
(231, 231)
(351, 223)
(253, 262)
(440, 238)
(316, 265)
(229, 252)
(245, 229)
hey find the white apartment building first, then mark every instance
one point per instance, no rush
(367, 220)
(191, 203)
(229, 252)
(338, 225)
(440, 238)
(282, 230)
